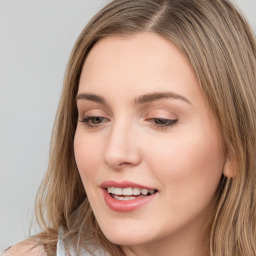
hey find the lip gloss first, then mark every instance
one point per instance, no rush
(125, 205)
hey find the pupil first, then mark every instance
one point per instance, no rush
(97, 120)
(161, 121)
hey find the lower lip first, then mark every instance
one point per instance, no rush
(126, 205)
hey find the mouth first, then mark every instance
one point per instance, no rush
(127, 196)
(129, 193)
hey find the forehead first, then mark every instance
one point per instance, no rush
(139, 63)
(147, 49)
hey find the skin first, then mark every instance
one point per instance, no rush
(184, 161)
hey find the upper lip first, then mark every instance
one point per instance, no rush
(123, 184)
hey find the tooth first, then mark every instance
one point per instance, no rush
(124, 198)
(127, 191)
(136, 191)
(118, 191)
(144, 191)
(118, 197)
(129, 198)
(151, 191)
(110, 190)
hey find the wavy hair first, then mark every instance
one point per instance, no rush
(221, 48)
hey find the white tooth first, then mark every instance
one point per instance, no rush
(144, 191)
(117, 197)
(118, 191)
(151, 191)
(136, 191)
(110, 190)
(129, 198)
(127, 191)
(123, 198)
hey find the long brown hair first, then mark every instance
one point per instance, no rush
(221, 47)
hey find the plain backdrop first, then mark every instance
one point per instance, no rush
(36, 37)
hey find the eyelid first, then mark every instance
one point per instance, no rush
(87, 105)
(91, 112)
(161, 113)
(161, 119)
(88, 115)
(165, 124)
(87, 121)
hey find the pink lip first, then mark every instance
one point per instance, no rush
(126, 205)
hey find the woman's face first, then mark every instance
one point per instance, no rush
(147, 146)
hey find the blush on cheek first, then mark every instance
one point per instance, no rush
(188, 160)
(86, 161)
(86, 155)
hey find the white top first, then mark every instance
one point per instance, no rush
(62, 252)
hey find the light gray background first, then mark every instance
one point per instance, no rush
(36, 37)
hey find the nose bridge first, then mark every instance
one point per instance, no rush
(122, 147)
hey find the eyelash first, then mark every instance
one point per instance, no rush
(163, 125)
(88, 121)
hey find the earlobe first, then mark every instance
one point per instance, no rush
(230, 168)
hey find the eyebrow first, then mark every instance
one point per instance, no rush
(143, 99)
(90, 97)
(147, 98)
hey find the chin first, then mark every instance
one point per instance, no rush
(128, 234)
(125, 240)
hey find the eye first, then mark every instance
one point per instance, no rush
(94, 121)
(162, 123)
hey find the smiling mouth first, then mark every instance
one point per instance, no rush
(129, 193)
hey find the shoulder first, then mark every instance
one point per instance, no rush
(26, 248)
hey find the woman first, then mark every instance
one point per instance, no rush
(153, 150)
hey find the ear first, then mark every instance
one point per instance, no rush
(230, 167)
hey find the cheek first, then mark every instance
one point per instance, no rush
(87, 155)
(189, 164)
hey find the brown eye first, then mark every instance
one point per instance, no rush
(94, 121)
(164, 122)
(97, 119)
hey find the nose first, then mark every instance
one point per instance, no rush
(122, 148)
